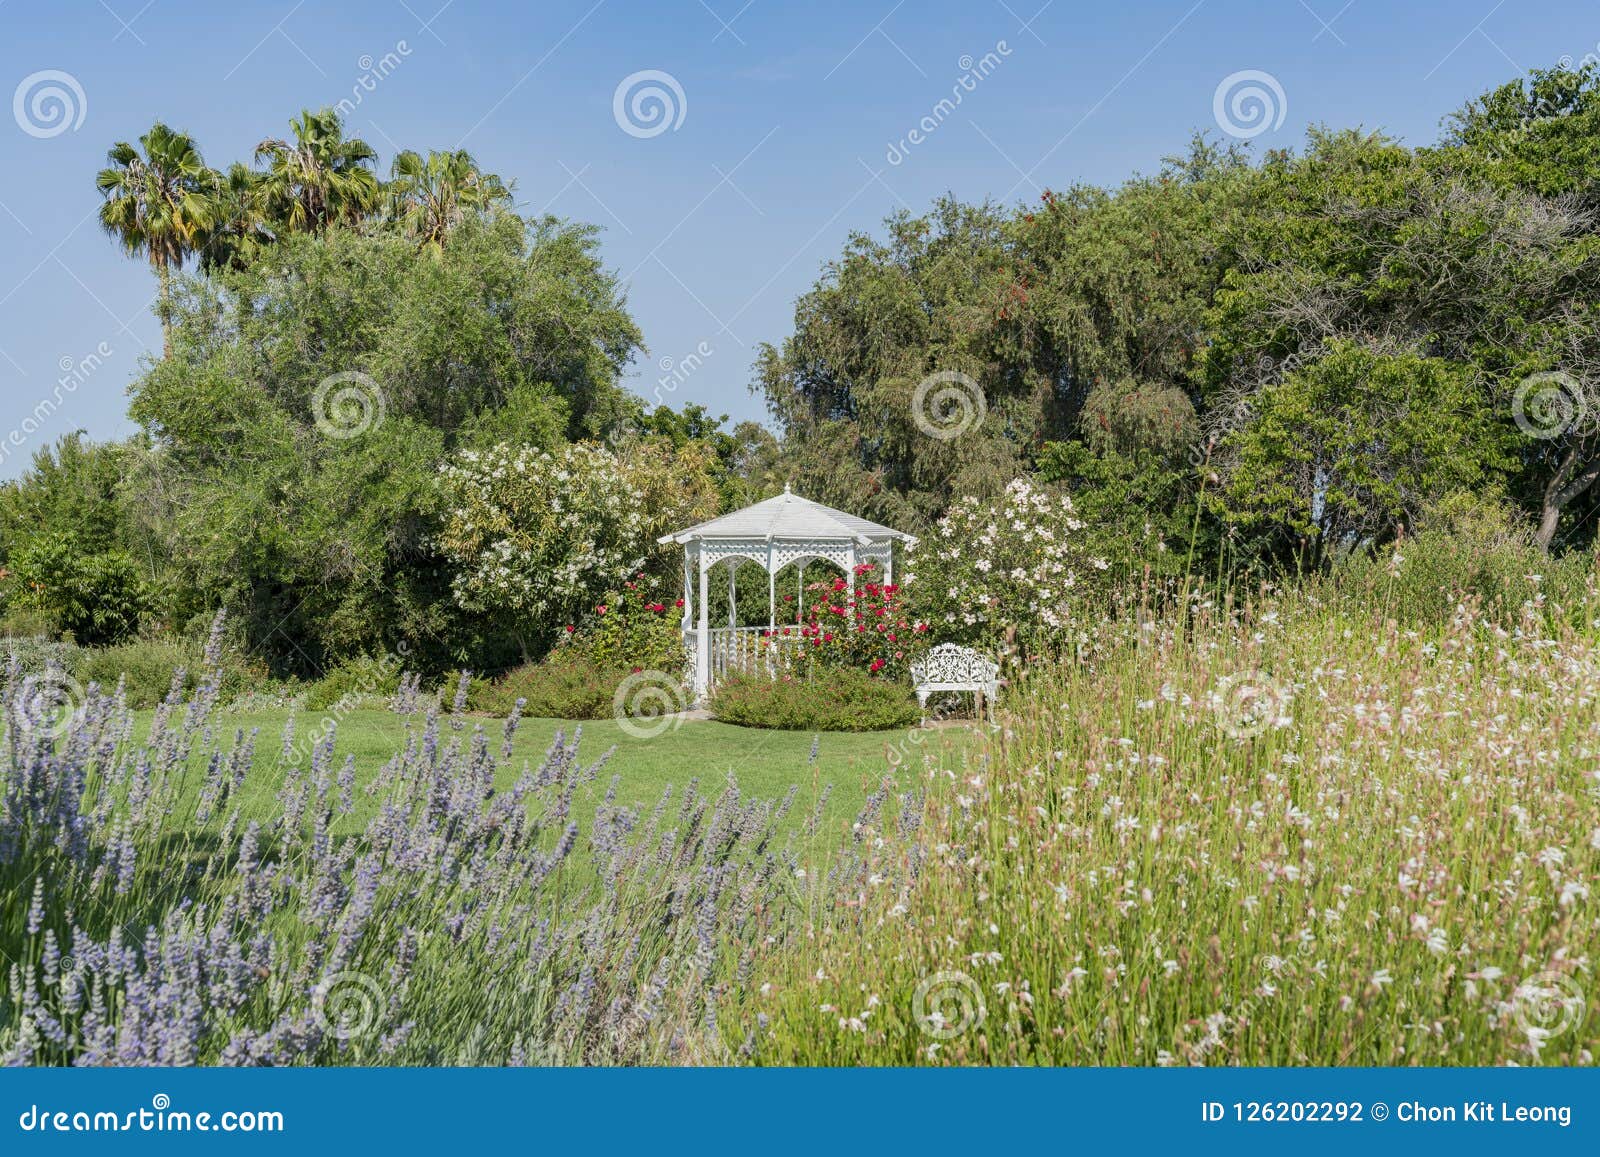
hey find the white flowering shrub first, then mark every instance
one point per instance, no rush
(546, 536)
(1014, 567)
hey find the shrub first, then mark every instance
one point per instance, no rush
(634, 630)
(96, 598)
(566, 685)
(544, 535)
(993, 571)
(830, 699)
(354, 681)
(628, 632)
(868, 630)
(35, 653)
(149, 666)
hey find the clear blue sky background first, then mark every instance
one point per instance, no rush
(719, 223)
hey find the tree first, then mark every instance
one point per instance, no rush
(158, 204)
(322, 178)
(239, 232)
(1540, 133)
(938, 362)
(907, 381)
(1360, 442)
(96, 598)
(431, 198)
(311, 398)
(1422, 256)
(1131, 418)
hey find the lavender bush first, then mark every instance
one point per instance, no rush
(151, 921)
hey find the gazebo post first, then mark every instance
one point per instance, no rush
(702, 651)
(691, 557)
(772, 593)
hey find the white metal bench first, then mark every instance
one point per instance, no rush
(951, 667)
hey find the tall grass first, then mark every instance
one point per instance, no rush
(1293, 832)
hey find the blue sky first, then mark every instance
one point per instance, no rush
(791, 128)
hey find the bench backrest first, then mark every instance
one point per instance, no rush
(953, 664)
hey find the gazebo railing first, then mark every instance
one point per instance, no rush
(749, 650)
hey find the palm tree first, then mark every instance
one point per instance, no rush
(429, 198)
(239, 230)
(322, 179)
(158, 204)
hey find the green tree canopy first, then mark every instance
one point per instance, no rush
(311, 397)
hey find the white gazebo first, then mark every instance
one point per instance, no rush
(774, 534)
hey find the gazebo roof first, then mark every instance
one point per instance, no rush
(788, 516)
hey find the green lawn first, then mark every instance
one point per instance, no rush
(763, 763)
